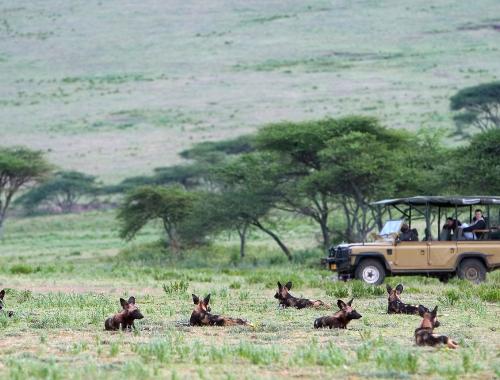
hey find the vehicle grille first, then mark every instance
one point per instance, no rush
(340, 254)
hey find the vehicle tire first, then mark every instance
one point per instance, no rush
(472, 270)
(370, 271)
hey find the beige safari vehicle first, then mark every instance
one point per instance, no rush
(435, 250)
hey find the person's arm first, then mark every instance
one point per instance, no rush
(479, 225)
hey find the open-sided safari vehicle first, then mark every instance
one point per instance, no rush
(429, 236)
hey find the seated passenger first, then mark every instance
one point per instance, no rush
(449, 229)
(478, 224)
(407, 234)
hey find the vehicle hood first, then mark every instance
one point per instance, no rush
(371, 244)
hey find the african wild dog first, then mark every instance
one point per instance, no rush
(424, 335)
(396, 306)
(2, 294)
(340, 319)
(125, 318)
(287, 300)
(201, 315)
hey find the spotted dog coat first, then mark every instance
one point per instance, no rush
(396, 306)
(424, 334)
(340, 319)
(287, 300)
(2, 295)
(125, 318)
(201, 315)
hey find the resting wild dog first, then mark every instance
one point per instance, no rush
(396, 306)
(201, 315)
(125, 318)
(2, 294)
(340, 319)
(287, 300)
(424, 334)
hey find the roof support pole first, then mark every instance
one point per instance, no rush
(439, 222)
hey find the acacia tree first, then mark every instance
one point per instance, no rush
(361, 168)
(296, 147)
(172, 205)
(19, 168)
(248, 191)
(64, 190)
(478, 106)
(341, 165)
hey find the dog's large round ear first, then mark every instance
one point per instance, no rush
(434, 312)
(341, 304)
(196, 300)
(288, 285)
(350, 302)
(399, 288)
(131, 300)
(206, 300)
(389, 288)
(123, 303)
(2, 294)
(279, 285)
(421, 310)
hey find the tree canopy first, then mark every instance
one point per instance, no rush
(478, 106)
(170, 204)
(63, 191)
(19, 167)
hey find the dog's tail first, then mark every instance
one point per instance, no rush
(321, 305)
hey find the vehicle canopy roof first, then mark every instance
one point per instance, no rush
(441, 201)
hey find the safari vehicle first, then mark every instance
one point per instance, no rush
(436, 254)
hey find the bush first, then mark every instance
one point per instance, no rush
(21, 269)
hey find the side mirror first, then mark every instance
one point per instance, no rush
(397, 240)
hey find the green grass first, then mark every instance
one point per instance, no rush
(133, 89)
(61, 301)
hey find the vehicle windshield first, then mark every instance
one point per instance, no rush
(391, 227)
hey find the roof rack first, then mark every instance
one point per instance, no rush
(442, 201)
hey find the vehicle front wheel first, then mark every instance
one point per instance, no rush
(370, 271)
(472, 270)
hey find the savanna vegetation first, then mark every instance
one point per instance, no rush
(127, 168)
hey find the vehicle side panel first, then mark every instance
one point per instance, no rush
(489, 249)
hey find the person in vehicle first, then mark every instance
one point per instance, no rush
(408, 234)
(478, 224)
(449, 229)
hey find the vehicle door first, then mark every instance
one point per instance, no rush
(411, 255)
(442, 254)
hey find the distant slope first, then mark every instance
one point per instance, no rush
(116, 88)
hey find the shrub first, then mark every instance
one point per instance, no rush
(176, 287)
(21, 269)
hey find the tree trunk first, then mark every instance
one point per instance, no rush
(172, 238)
(325, 232)
(1, 227)
(242, 231)
(283, 247)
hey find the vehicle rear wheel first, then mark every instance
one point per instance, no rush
(472, 270)
(370, 271)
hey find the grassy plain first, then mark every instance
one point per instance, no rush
(65, 274)
(116, 88)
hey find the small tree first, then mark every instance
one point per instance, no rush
(215, 213)
(64, 190)
(479, 106)
(172, 205)
(19, 167)
(248, 191)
